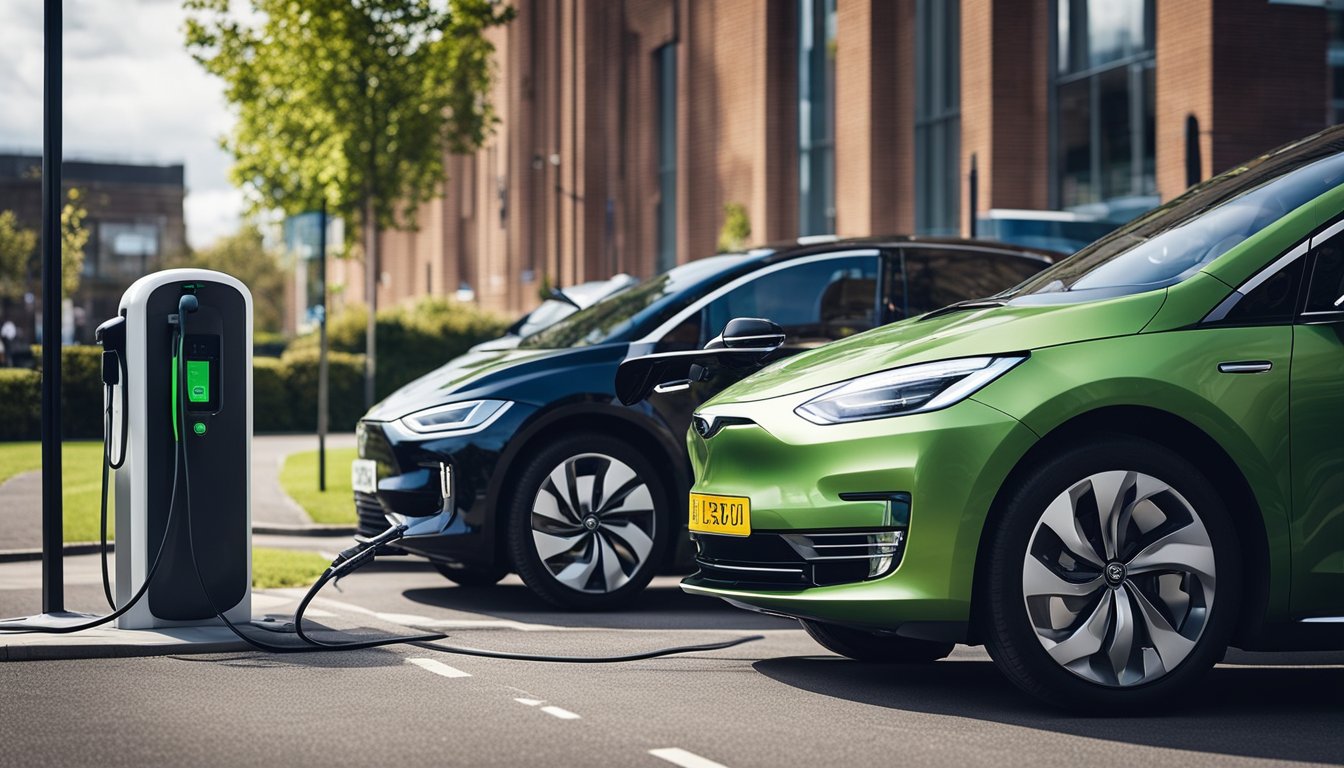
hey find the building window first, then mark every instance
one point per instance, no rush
(816, 117)
(937, 117)
(665, 126)
(1104, 106)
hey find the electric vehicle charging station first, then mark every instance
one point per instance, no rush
(217, 441)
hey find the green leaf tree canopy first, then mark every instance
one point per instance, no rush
(17, 246)
(352, 103)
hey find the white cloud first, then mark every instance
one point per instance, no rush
(131, 93)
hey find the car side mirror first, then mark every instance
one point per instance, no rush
(744, 346)
(748, 333)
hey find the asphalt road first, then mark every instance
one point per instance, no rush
(779, 701)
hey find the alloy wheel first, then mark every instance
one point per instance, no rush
(1119, 579)
(593, 523)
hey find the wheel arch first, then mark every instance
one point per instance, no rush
(628, 424)
(1191, 442)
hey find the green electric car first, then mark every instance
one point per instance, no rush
(1107, 475)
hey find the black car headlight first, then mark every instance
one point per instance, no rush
(903, 391)
(454, 418)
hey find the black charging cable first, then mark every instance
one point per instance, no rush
(353, 558)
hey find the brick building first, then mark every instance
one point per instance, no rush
(135, 224)
(626, 126)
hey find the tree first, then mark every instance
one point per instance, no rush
(350, 102)
(73, 239)
(245, 256)
(17, 246)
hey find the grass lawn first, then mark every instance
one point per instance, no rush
(336, 505)
(81, 475)
(278, 568)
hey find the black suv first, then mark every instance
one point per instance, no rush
(523, 460)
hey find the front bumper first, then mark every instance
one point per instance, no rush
(810, 480)
(411, 487)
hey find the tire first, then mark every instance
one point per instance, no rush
(588, 522)
(1117, 619)
(872, 647)
(472, 575)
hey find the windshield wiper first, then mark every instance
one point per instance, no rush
(961, 305)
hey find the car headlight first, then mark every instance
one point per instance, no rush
(454, 417)
(902, 391)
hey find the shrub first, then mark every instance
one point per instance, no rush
(20, 404)
(81, 391)
(346, 380)
(413, 339)
(271, 408)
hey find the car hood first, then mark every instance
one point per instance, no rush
(505, 374)
(966, 333)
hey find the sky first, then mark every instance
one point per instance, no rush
(132, 94)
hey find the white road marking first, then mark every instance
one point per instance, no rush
(438, 668)
(678, 756)
(563, 714)
(529, 702)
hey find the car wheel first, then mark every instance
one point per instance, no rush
(874, 647)
(588, 522)
(471, 575)
(1113, 578)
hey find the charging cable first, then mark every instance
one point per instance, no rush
(353, 558)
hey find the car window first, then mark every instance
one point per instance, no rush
(1325, 293)
(652, 301)
(1172, 242)
(937, 277)
(814, 302)
(1273, 301)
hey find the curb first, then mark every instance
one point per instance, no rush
(92, 547)
(116, 651)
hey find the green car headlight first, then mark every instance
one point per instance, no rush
(454, 417)
(902, 391)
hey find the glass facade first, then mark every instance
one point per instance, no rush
(937, 117)
(1104, 106)
(665, 74)
(816, 117)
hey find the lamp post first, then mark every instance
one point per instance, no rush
(53, 572)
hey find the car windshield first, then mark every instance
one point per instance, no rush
(549, 313)
(613, 317)
(1172, 242)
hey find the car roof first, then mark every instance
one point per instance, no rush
(806, 246)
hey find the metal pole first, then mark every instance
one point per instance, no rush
(53, 572)
(322, 387)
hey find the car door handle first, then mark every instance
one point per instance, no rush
(672, 386)
(1245, 366)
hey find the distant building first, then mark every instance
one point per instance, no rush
(626, 126)
(135, 224)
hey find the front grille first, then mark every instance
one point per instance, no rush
(373, 444)
(799, 559)
(371, 519)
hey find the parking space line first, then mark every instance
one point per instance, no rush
(528, 702)
(563, 714)
(678, 756)
(438, 668)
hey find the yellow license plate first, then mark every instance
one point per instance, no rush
(726, 515)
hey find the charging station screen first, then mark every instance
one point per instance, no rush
(198, 381)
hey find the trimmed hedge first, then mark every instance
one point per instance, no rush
(413, 339)
(20, 404)
(284, 394)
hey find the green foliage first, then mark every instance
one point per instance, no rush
(271, 408)
(413, 339)
(736, 231)
(334, 506)
(20, 404)
(245, 256)
(73, 239)
(81, 390)
(346, 381)
(17, 247)
(349, 102)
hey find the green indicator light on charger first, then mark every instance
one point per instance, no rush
(198, 428)
(198, 381)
